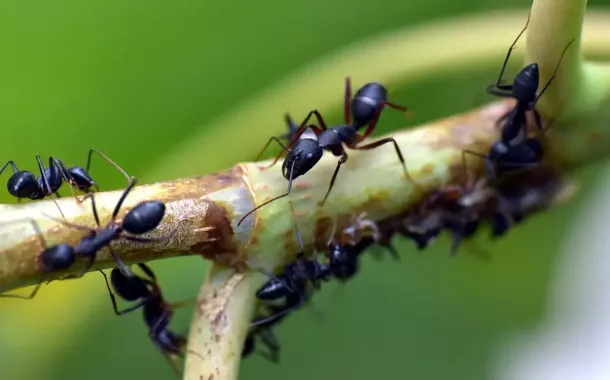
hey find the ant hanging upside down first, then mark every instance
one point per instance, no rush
(304, 153)
(146, 294)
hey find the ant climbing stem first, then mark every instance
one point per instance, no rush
(524, 89)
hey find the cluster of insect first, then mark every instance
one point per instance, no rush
(498, 197)
(142, 290)
(458, 209)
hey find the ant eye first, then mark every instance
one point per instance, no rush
(309, 155)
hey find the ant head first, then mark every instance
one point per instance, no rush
(525, 85)
(128, 288)
(57, 257)
(23, 184)
(304, 156)
(81, 178)
(143, 218)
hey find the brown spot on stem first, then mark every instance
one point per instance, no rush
(220, 246)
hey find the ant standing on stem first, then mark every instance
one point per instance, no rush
(515, 150)
(24, 184)
(303, 154)
(143, 218)
(146, 294)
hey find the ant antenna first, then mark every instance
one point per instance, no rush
(272, 138)
(548, 83)
(111, 162)
(510, 50)
(272, 199)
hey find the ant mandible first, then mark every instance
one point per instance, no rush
(142, 218)
(24, 184)
(304, 153)
(146, 293)
(515, 150)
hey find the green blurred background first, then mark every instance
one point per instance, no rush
(137, 78)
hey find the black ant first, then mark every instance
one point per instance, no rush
(303, 154)
(141, 219)
(515, 150)
(24, 184)
(146, 294)
(291, 284)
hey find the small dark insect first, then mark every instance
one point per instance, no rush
(141, 219)
(24, 184)
(291, 284)
(515, 150)
(304, 154)
(146, 294)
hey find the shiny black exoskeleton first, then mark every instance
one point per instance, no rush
(146, 294)
(302, 154)
(24, 184)
(141, 219)
(515, 150)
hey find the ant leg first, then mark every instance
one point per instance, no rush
(397, 107)
(281, 313)
(272, 345)
(45, 180)
(319, 118)
(348, 100)
(334, 177)
(124, 268)
(510, 50)
(28, 297)
(284, 150)
(548, 83)
(272, 199)
(398, 153)
(132, 183)
(503, 90)
(118, 312)
(84, 271)
(111, 162)
(146, 269)
(13, 166)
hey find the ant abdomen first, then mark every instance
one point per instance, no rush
(273, 289)
(58, 257)
(22, 184)
(525, 85)
(81, 178)
(366, 103)
(144, 217)
(128, 288)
